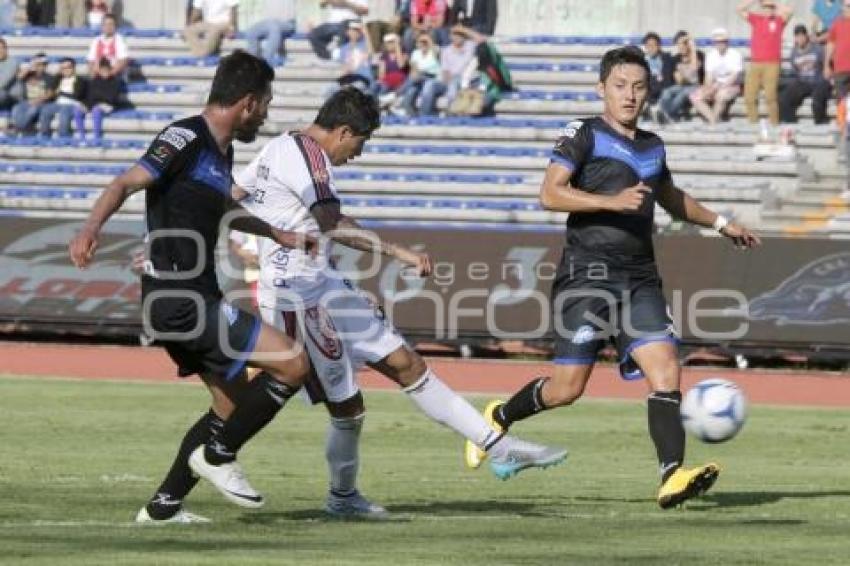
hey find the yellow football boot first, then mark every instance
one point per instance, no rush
(686, 484)
(473, 455)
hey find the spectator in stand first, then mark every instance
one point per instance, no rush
(397, 24)
(660, 71)
(356, 61)
(70, 13)
(8, 77)
(111, 45)
(807, 66)
(70, 90)
(104, 93)
(836, 64)
(98, 9)
(724, 68)
(36, 92)
(688, 75)
(824, 14)
(212, 21)
(427, 16)
(479, 15)
(8, 8)
(339, 14)
(455, 60)
(767, 24)
(267, 23)
(424, 66)
(41, 12)
(392, 63)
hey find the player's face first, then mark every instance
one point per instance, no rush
(253, 116)
(624, 93)
(348, 146)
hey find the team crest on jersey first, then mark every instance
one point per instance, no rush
(322, 333)
(571, 129)
(584, 334)
(177, 137)
(161, 153)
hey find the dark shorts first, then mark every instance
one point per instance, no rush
(219, 342)
(593, 305)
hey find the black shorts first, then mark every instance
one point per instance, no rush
(217, 342)
(593, 305)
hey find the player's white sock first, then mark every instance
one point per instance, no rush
(342, 451)
(435, 399)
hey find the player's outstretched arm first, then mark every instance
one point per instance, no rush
(682, 206)
(84, 244)
(558, 194)
(348, 232)
(246, 222)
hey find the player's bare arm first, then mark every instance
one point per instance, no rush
(348, 232)
(682, 206)
(84, 244)
(558, 194)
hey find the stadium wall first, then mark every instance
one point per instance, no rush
(548, 17)
(791, 293)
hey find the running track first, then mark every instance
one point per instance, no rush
(470, 376)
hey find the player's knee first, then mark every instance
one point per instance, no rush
(407, 365)
(665, 377)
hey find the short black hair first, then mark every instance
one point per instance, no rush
(679, 35)
(237, 75)
(68, 60)
(652, 35)
(800, 29)
(629, 55)
(350, 107)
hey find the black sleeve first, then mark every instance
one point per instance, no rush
(574, 146)
(668, 68)
(492, 16)
(170, 152)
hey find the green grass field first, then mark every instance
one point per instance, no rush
(79, 459)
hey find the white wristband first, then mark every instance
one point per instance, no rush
(720, 222)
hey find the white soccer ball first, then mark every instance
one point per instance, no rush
(714, 410)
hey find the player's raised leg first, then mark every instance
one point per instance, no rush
(658, 360)
(434, 398)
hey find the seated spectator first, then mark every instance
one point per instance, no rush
(70, 90)
(427, 16)
(836, 64)
(807, 68)
(424, 66)
(824, 14)
(267, 24)
(724, 68)
(356, 64)
(212, 21)
(104, 93)
(493, 76)
(478, 15)
(41, 12)
(397, 24)
(111, 45)
(96, 13)
(339, 14)
(455, 60)
(70, 13)
(660, 70)
(8, 77)
(392, 63)
(688, 75)
(36, 92)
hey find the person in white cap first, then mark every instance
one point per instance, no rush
(724, 70)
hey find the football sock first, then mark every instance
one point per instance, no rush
(342, 451)
(179, 481)
(263, 397)
(441, 404)
(666, 430)
(526, 402)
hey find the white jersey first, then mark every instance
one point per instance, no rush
(289, 175)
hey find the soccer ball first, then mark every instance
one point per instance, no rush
(714, 410)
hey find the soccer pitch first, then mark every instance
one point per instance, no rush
(80, 458)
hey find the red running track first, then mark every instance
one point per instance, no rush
(471, 376)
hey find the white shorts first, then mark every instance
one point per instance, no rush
(342, 333)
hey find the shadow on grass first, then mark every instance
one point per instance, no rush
(756, 498)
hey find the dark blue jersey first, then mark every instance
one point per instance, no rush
(605, 162)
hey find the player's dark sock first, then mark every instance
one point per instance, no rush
(264, 396)
(666, 430)
(179, 481)
(525, 402)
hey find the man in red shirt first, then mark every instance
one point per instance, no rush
(767, 24)
(427, 16)
(838, 52)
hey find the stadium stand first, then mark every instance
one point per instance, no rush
(468, 170)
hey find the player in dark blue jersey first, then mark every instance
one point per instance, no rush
(186, 173)
(609, 174)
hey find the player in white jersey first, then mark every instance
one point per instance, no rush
(290, 185)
